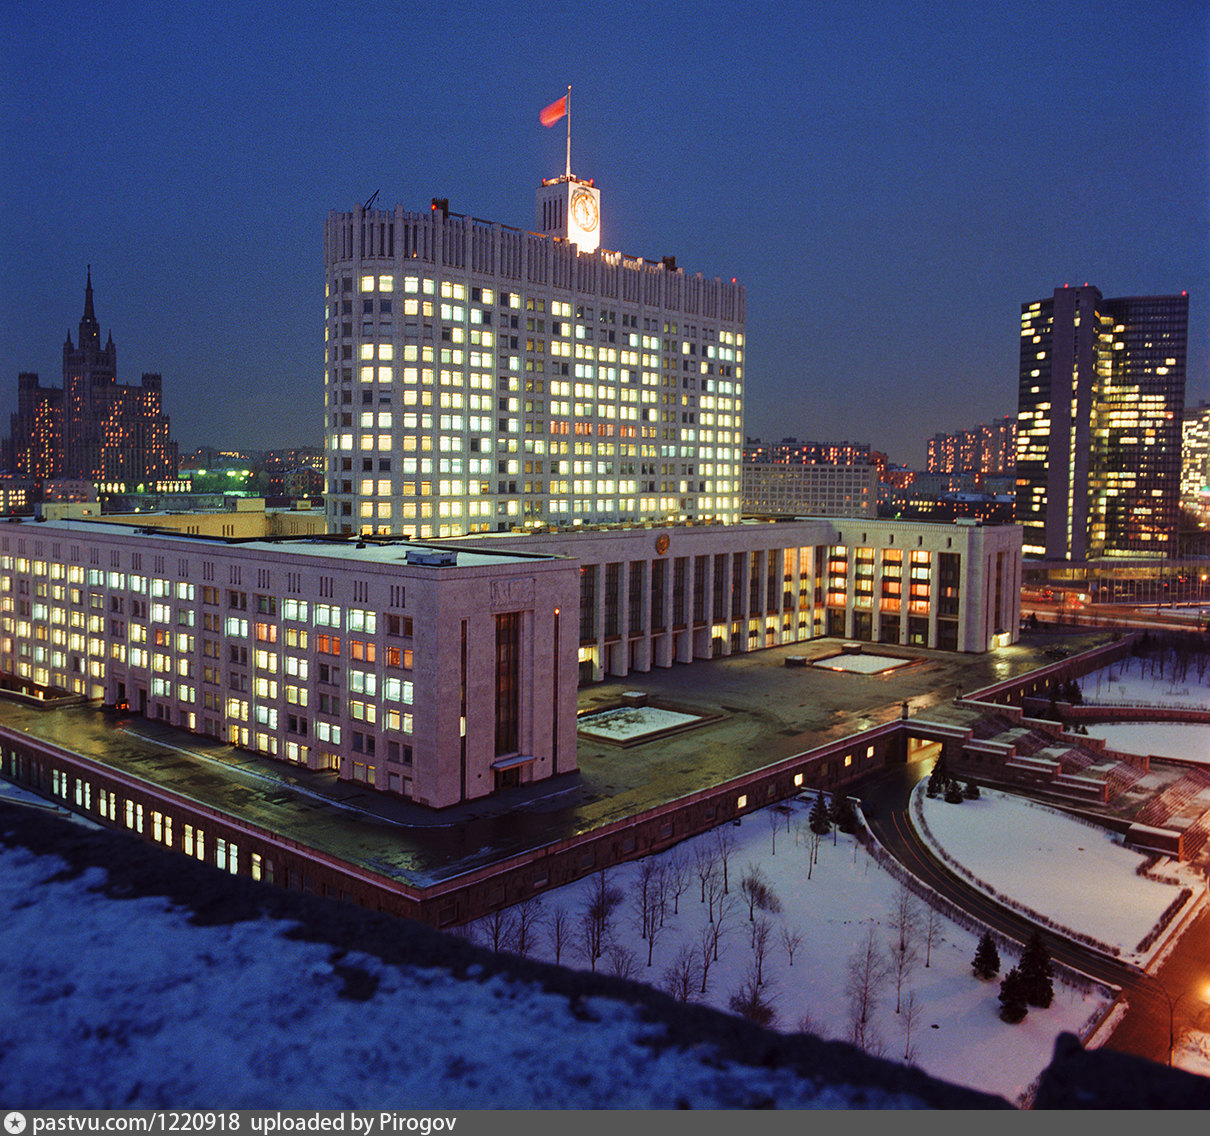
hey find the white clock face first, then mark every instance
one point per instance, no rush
(584, 210)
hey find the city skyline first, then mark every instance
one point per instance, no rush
(887, 202)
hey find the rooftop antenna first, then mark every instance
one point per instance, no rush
(366, 206)
(567, 171)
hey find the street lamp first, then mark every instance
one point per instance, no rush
(1173, 1003)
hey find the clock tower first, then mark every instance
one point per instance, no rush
(570, 208)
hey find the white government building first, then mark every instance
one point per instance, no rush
(533, 460)
(480, 377)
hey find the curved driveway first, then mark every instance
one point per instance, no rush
(1183, 979)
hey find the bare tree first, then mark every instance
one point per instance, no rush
(676, 877)
(707, 945)
(902, 959)
(724, 845)
(791, 939)
(682, 975)
(597, 918)
(497, 929)
(932, 932)
(662, 886)
(528, 919)
(774, 819)
(905, 917)
(559, 928)
(621, 960)
(644, 890)
(705, 864)
(728, 906)
(751, 886)
(714, 895)
(907, 1023)
(762, 936)
(604, 900)
(749, 1003)
(655, 922)
(757, 893)
(590, 939)
(863, 985)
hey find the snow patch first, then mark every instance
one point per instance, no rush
(860, 664)
(629, 722)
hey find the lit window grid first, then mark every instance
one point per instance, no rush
(604, 419)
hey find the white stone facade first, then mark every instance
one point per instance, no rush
(658, 595)
(437, 675)
(480, 378)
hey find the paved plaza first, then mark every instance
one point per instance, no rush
(759, 711)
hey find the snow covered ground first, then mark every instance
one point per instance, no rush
(1077, 877)
(124, 1003)
(837, 906)
(1159, 739)
(1132, 682)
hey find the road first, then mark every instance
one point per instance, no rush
(1114, 615)
(1184, 976)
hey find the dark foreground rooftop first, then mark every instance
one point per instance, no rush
(731, 1063)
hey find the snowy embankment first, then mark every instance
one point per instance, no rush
(130, 1003)
(839, 918)
(1075, 877)
(1177, 740)
(1135, 682)
(1140, 681)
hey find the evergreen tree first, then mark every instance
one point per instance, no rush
(820, 822)
(939, 778)
(986, 963)
(953, 793)
(844, 816)
(1036, 973)
(1013, 1006)
(971, 792)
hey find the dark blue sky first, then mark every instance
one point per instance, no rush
(889, 180)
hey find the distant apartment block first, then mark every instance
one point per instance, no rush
(775, 489)
(989, 448)
(790, 451)
(1195, 459)
(92, 428)
(17, 494)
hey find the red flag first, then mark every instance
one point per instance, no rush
(551, 114)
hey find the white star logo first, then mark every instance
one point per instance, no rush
(14, 1123)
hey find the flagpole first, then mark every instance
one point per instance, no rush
(568, 170)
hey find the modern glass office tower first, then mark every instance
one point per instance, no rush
(480, 378)
(1100, 405)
